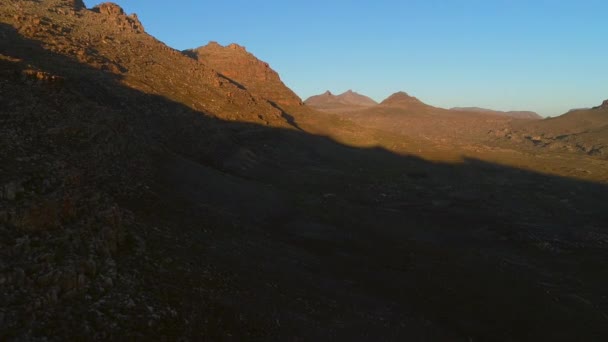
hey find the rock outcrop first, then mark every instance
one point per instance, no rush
(235, 63)
(70, 4)
(120, 18)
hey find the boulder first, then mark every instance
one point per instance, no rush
(123, 21)
(109, 8)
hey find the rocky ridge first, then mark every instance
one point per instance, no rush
(513, 114)
(237, 64)
(346, 101)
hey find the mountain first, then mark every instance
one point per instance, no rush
(347, 101)
(401, 99)
(105, 132)
(406, 115)
(579, 130)
(234, 62)
(108, 44)
(513, 114)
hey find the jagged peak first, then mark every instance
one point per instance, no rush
(328, 93)
(401, 94)
(399, 97)
(235, 46)
(215, 45)
(114, 10)
(109, 8)
(234, 62)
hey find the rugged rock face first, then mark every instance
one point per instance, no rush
(234, 62)
(107, 39)
(117, 14)
(109, 8)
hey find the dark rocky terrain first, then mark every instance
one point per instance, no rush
(145, 195)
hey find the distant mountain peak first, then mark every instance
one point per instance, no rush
(235, 46)
(400, 97)
(122, 20)
(348, 100)
(217, 46)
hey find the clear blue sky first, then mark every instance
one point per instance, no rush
(541, 55)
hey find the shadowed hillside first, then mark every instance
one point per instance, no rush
(140, 205)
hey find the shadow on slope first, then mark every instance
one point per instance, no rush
(306, 236)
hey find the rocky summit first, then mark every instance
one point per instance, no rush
(400, 99)
(153, 194)
(234, 62)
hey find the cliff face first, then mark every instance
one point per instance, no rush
(234, 62)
